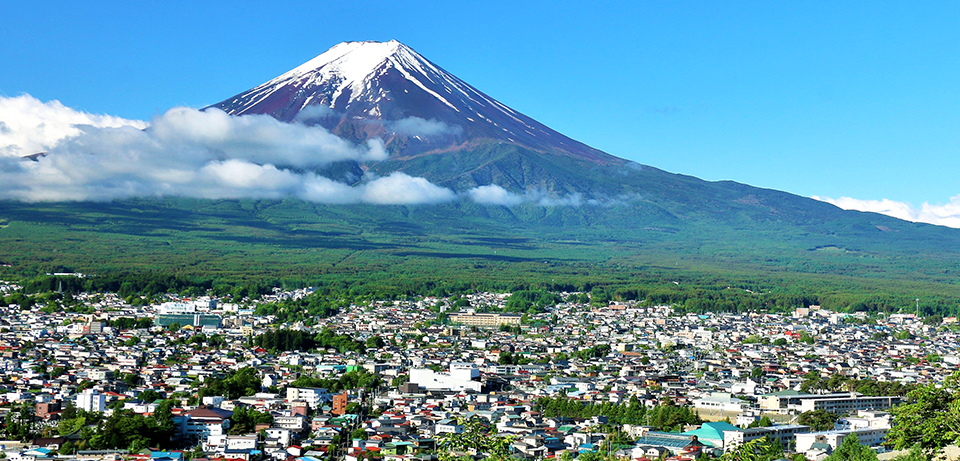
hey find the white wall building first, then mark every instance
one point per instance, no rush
(90, 400)
(462, 377)
(314, 396)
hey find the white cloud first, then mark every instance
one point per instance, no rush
(416, 126)
(314, 112)
(184, 152)
(29, 126)
(399, 188)
(940, 214)
(493, 194)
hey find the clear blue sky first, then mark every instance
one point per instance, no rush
(858, 99)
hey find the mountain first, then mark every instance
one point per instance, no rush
(588, 218)
(363, 90)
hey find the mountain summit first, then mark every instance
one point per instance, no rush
(361, 90)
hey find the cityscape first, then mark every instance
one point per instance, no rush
(220, 378)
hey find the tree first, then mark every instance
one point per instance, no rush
(764, 421)
(246, 419)
(929, 419)
(852, 450)
(477, 437)
(755, 450)
(375, 342)
(818, 420)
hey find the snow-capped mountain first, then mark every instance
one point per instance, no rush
(361, 90)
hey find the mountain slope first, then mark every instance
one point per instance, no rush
(361, 90)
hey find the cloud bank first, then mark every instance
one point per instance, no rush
(210, 154)
(942, 215)
(416, 126)
(184, 152)
(495, 195)
(29, 126)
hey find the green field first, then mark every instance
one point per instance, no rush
(860, 261)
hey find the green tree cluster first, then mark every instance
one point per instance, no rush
(929, 419)
(851, 450)
(245, 420)
(661, 417)
(243, 382)
(285, 340)
(818, 420)
(357, 379)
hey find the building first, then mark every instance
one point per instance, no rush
(315, 397)
(718, 402)
(870, 437)
(339, 404)
(848, 403)
(484, 319)
(844, 402)
(462, 377)
(200, 424)
(90, 400)
(786, 434)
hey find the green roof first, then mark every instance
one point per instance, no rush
(786, 393)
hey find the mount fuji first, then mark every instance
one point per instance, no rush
(569, 210)
(434, 124)
(361, 90)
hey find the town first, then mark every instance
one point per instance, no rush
(479, 375)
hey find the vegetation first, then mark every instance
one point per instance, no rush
(245, 420)
(666, 416)
(851, 450)
(297, 340)
(243, 382)
(929, 419)
(818, 420)
(761, 449)
(478, 437)
(813, 382)
(241, 248)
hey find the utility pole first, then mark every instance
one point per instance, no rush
(918, 308)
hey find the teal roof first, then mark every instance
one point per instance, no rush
(712, 431)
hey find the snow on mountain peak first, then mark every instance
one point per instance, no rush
(349, 65)
(357, 83)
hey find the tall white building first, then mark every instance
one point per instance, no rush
(90, 400)
(314, 396)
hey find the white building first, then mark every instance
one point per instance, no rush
(314, 396)
(462, 377)
(719, 401)
(90, 400)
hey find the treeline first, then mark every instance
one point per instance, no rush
(297, 340)
(531, 302)
(664, 417)
(245, 419)
(813, 382)
(694, 293)
(285, 340)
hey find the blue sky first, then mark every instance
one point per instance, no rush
(836, 99)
